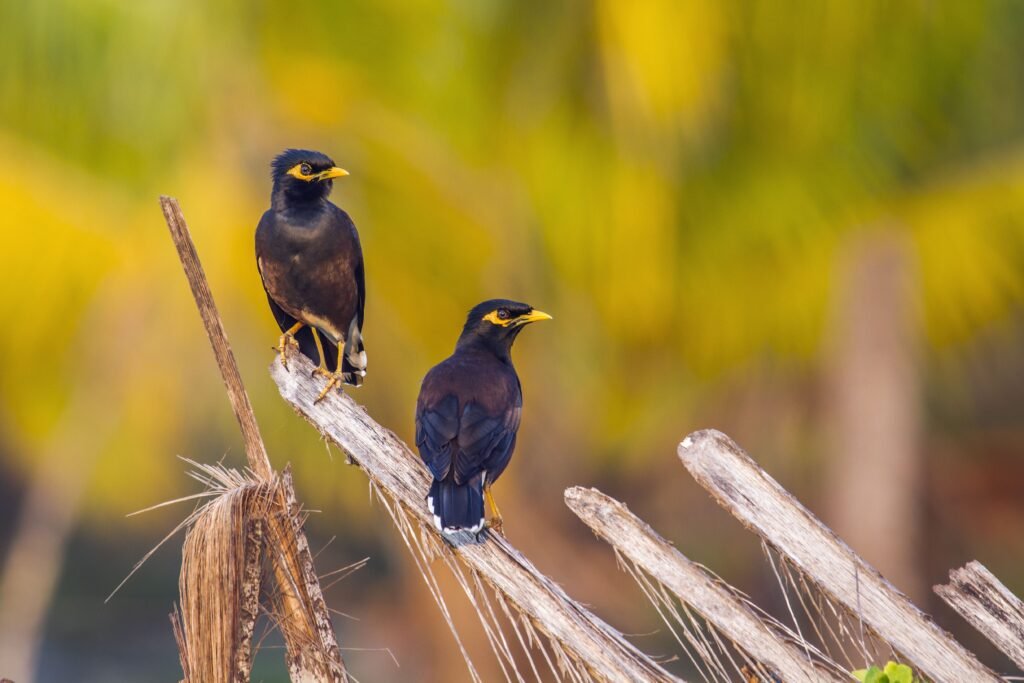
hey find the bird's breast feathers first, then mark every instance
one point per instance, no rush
(310, 270)
(491, 384)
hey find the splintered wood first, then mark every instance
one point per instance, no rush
(989, 606)
(757, 500)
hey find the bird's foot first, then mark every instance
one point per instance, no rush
(283, 344)
(334, 379)
(496, 525)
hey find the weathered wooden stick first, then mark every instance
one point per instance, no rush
(399, 473)
(634, 539)
(989, 606)
(297, 600)
(310, 584)
(764, 507)
(255, 451)
(249, 605)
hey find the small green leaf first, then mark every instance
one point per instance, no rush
(899, 673)
(871, 675)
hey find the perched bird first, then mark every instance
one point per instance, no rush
(467, 415)
(311, 264)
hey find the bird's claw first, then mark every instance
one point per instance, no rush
(286, 340)
(334, 379)
(496, 525)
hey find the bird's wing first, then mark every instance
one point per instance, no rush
(437, 425)
(263, 236)
(361, 290)
(485, 441)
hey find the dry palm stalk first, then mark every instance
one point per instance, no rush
(220, 583)
(221, 566)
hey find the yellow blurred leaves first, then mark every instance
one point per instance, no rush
(311, 88)
(57, 247)
(969, 234)
(637, 280)
(663, 61)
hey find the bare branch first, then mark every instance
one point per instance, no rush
(989, 606)
(764, 507)
(627, 533)
(395, 470)
(255, 451)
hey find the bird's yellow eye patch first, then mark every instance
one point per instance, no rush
(496, 319)
(296, 172)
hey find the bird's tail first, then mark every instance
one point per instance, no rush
(354, 361)
(457, 506)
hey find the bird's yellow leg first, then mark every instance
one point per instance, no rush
(320, 349)
(334, 379)
(495, 521)
(287, 339)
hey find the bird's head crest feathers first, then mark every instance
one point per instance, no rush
(497, 322)
(303, 175)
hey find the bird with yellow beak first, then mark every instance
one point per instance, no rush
(311, 264)
(467, 416)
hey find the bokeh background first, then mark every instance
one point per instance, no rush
(800, 223)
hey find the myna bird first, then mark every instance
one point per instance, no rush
(308, 255)
(467, 415)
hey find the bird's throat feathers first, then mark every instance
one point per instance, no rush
(289, 194)
(500, 345)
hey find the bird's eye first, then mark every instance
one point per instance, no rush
(503, 313)
(306, 169)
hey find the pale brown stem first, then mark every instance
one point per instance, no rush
(255, 451)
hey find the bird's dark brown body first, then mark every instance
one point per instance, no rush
(475, 383)
(312, 267)
(311, 264)
(468, 412)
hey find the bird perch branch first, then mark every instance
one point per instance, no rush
(394, 469)
(764, 507)
(989, 606)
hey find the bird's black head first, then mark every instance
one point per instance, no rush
(495, 324)
(302, 175)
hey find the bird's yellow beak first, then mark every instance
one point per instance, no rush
(334, 172)
(532, 317)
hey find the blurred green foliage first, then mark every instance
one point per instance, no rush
(673, 180)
